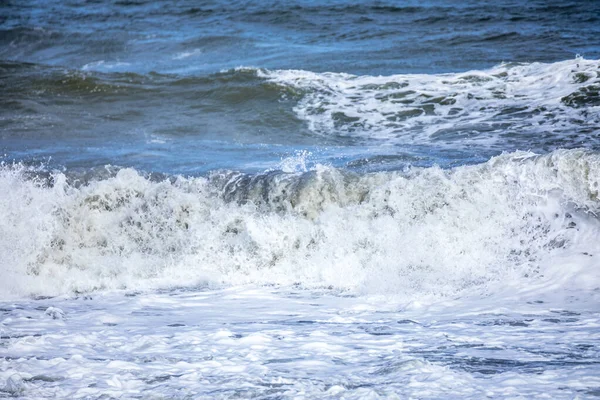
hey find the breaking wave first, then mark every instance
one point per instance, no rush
(518, 219)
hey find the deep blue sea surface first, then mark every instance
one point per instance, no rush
(299, 199)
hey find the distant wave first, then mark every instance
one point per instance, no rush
(539, 107)
(544, 106)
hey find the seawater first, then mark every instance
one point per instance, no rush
(300, 200)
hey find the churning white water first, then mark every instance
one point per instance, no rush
(422, 232)
(465, 282)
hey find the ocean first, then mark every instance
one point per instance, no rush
(299, 200)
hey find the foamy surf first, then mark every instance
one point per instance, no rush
(510, 104)
(266, 342)
(396, 201)
(519, 220)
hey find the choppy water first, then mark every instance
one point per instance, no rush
(299, 200)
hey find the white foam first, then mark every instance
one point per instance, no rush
(103, 65)
(266, 342)
(296, 163)
(520, 221)
(471, 107)
(187, 54)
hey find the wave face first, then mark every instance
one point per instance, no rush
(519, 219)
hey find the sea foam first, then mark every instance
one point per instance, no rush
(518, 219)
(513, 105)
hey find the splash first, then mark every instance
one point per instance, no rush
(515, 221)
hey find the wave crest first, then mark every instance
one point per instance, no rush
(417, 233)
(516, 105)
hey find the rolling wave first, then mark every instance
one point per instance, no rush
(517, 220)
(522, 106)
(538, 107)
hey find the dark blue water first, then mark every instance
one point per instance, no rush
(154, 84)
